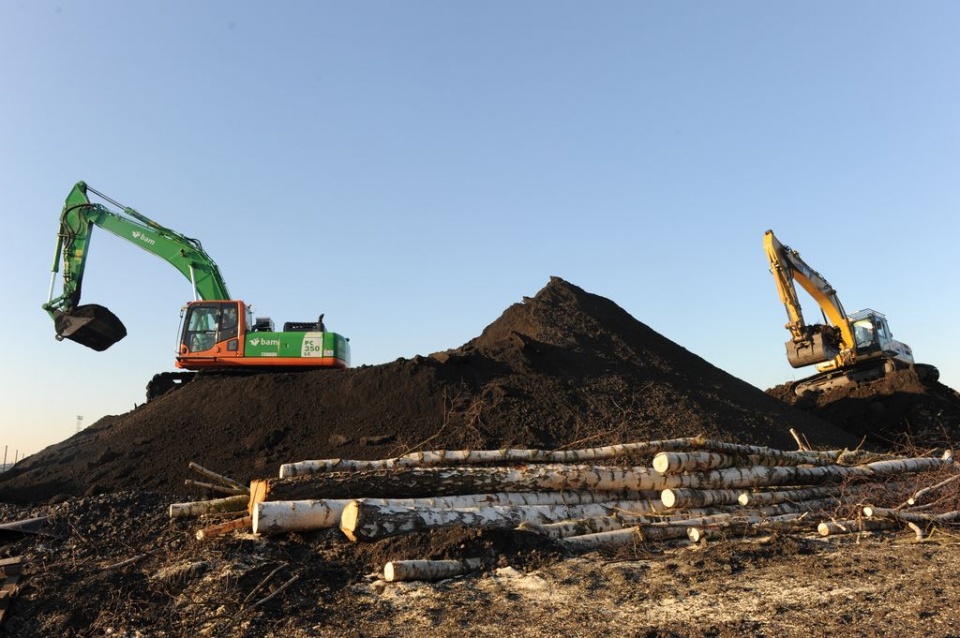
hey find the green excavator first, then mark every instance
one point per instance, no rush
(218, 333)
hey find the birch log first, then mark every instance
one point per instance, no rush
(452, 458)
(627, 536)
(699, 461)
(907, 516)
(274, 517)
(749, 526)
(757, 499)
(830, 528)
(920, 494)
(365, 521)
(685, 498)
(582, 526)
(449, 458)
(907, 466)
(448, 481)
(404, 570)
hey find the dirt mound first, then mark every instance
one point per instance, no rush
(562, 368)
(896, 411)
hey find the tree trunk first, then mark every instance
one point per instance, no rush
(757, 499)
(449, 458)
(274, 517)
(907, 516)
(829, 528)
(366, 521)
(448, 481)
(684, 498)
(700, 461)
(402, 570)
(452, 458)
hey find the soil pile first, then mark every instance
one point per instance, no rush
(898, 411)
(563, 368)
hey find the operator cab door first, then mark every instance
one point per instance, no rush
(211, 328)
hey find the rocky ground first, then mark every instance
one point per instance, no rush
(564, 368)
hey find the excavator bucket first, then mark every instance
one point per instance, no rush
(810, 351)
(90, 325)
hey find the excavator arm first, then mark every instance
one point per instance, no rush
(810, 343)
(95, 326)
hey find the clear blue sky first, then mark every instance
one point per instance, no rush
(413, 168)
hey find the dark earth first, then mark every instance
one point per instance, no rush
(563, 369)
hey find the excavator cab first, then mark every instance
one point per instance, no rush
(211, 324)
(89, 325)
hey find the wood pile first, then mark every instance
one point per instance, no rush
(688, 489)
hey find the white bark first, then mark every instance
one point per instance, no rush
(236, 503)
(404, 570)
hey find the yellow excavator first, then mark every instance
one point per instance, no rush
(854, 348)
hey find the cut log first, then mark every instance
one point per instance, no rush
(907, 516)
(685, 498)
(452, 458)
(583, 526)
(627, 536)
(416, 482)
(920, 494)
(749, 526)
(449, 458)
(700, 461)
(405, 570)
(365, 521)
(274, 517)
(236, 525)
(757, 499)
(236, 503)
(830, 528)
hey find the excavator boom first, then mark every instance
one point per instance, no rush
(93, 325)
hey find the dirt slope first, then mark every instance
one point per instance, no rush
(563, 367)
